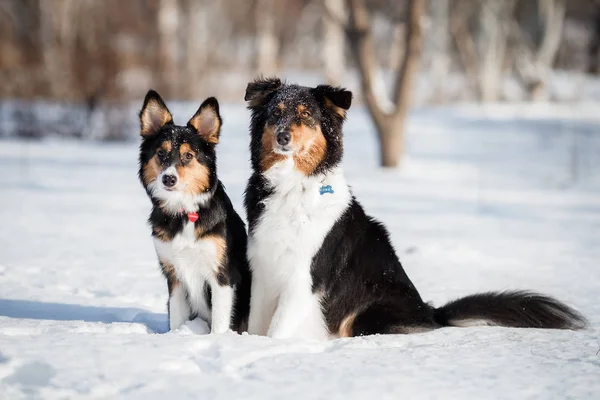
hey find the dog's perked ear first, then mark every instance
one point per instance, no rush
(259, 90)
(207, 121)
(154, 114)
(337, 99)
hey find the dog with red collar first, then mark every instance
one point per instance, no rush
(199, 238)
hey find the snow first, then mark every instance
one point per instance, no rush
(501, 197)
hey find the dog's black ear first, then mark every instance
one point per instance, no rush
(207, 121)
(154, 114)
(337, 99)
(259, 90)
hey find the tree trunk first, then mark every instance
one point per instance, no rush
(334, 42)
(461, 14)
(534, 61)
(405, 80)
(168, 19)
(552, 14)
(397, 50)
(389, 124)
(267, 48)
(491, 50)
(494, 27)
(363, 50)
(197, 47)
(594, 47)
(391, 140)
(440, 38)
(412, 58)
(54, 68)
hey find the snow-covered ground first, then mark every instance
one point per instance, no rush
(497, 198)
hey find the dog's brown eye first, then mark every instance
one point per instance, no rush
(188, 156)
(305, 114)
(161, 153)
(277, 113)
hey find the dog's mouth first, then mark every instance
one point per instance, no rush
(286, 150)
(179, 187)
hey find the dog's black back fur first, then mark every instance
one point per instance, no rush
(358, 271)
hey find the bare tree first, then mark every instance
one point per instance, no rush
(389, 123)
(535, 55)
(440, 44)
(594, 46)
(334, 41)
(168, 20)
(493, 31)
(197, 45)
(460, 17)
(267, 40)
(481, 31)
(56, 71)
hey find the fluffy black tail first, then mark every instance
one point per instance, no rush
(518, 309)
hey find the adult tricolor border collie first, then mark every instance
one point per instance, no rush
(199, 238)
(321, 267)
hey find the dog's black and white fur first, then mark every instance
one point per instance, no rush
(321, 266)
(199, 238)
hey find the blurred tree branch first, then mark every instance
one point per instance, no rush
(113, 49)
(389, 123)
(334, 47)
(534, 61)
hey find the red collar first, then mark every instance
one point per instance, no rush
(192, 216)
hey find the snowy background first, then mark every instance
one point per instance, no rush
(494, 197)
(487, 197)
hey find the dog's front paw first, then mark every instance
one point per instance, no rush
(220, 326)
(220, 330)
(276, 333)
(175, 324)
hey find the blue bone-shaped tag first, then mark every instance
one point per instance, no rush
(325, 189)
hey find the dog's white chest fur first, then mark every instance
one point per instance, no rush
(195, 262)
(290, 231)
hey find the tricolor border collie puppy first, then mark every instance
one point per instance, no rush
(199, 238)
(321, 267)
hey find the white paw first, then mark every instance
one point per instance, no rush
(278, 334)
(219, 331)
(196, 326)
(175, 324)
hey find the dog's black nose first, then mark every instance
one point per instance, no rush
(283, 138)
(169, 180)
